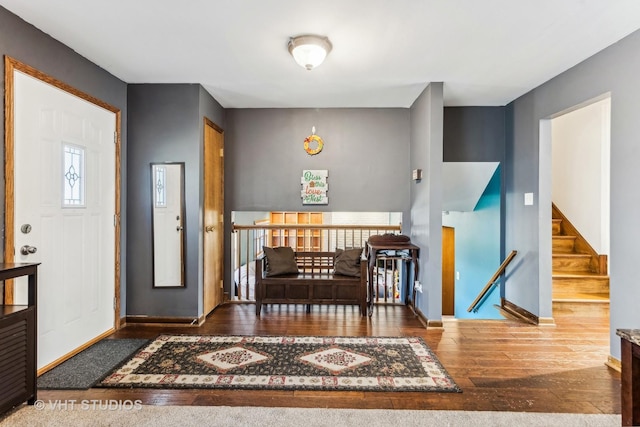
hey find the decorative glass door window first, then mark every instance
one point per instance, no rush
(73, 176)
(160, 187)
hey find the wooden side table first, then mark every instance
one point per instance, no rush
(18, 339)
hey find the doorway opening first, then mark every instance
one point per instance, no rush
(471, 237)
(578, 144)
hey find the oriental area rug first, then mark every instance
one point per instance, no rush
(284, 363)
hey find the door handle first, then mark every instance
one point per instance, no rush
(209, 228)
(178, 228)
(26, 250)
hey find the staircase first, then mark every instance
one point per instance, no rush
(580, 278)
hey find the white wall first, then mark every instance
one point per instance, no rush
(580, 169)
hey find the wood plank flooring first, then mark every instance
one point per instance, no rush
(501, 365)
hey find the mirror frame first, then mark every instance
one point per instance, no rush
(181, 223)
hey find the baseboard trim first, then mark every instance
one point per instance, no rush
(515, 312)
(546, 321)
(435, 324)
(164, 321)
(614, 364)
(201, 319)
(424, 320)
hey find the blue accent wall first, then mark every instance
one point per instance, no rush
(477, 256)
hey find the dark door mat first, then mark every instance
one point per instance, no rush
(86, 368)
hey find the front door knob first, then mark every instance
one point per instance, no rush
(26, 250)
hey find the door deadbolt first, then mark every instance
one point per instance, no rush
(25, 228)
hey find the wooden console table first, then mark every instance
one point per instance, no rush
(403, 251)
(18, 341)
(630, 391)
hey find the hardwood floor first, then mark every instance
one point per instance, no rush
(501, 365)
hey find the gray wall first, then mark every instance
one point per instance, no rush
(426, 196)
(31, 46)
(616, 70)
(366, 152)
(164, 126)
(474, 134)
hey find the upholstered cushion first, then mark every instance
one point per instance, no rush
(347, 262)
(280, 260)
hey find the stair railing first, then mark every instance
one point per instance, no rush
(248, 240)
(474, 305)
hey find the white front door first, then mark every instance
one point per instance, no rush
(64, 210)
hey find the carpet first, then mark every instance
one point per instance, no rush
(284, 363)
(224, 416)
(88, 367)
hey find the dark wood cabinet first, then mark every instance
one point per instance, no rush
(18, 339)
(630, 389)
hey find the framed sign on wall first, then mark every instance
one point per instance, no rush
(314, 187)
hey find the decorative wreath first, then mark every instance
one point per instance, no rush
(312, 151)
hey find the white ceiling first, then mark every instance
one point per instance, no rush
(487, 52)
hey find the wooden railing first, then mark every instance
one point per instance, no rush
(248, 241)
(491, 281)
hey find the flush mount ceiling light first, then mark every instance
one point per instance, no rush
(309, 51)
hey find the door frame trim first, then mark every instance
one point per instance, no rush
(215, 127)
(10, 66)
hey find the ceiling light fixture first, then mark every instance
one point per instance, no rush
(309, 51)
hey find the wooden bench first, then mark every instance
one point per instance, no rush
(315, 283)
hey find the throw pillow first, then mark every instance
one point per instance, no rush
(347, 262)
(280, 260)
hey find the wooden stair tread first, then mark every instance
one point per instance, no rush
(580, 279)
(580, 297)
(577, 275)
(570, 255)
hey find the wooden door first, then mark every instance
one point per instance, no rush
(213, 216)
(63, 212)
(448, 271)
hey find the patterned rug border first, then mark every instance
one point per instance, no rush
(441, 380)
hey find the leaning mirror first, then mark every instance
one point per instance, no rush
(168, 224)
